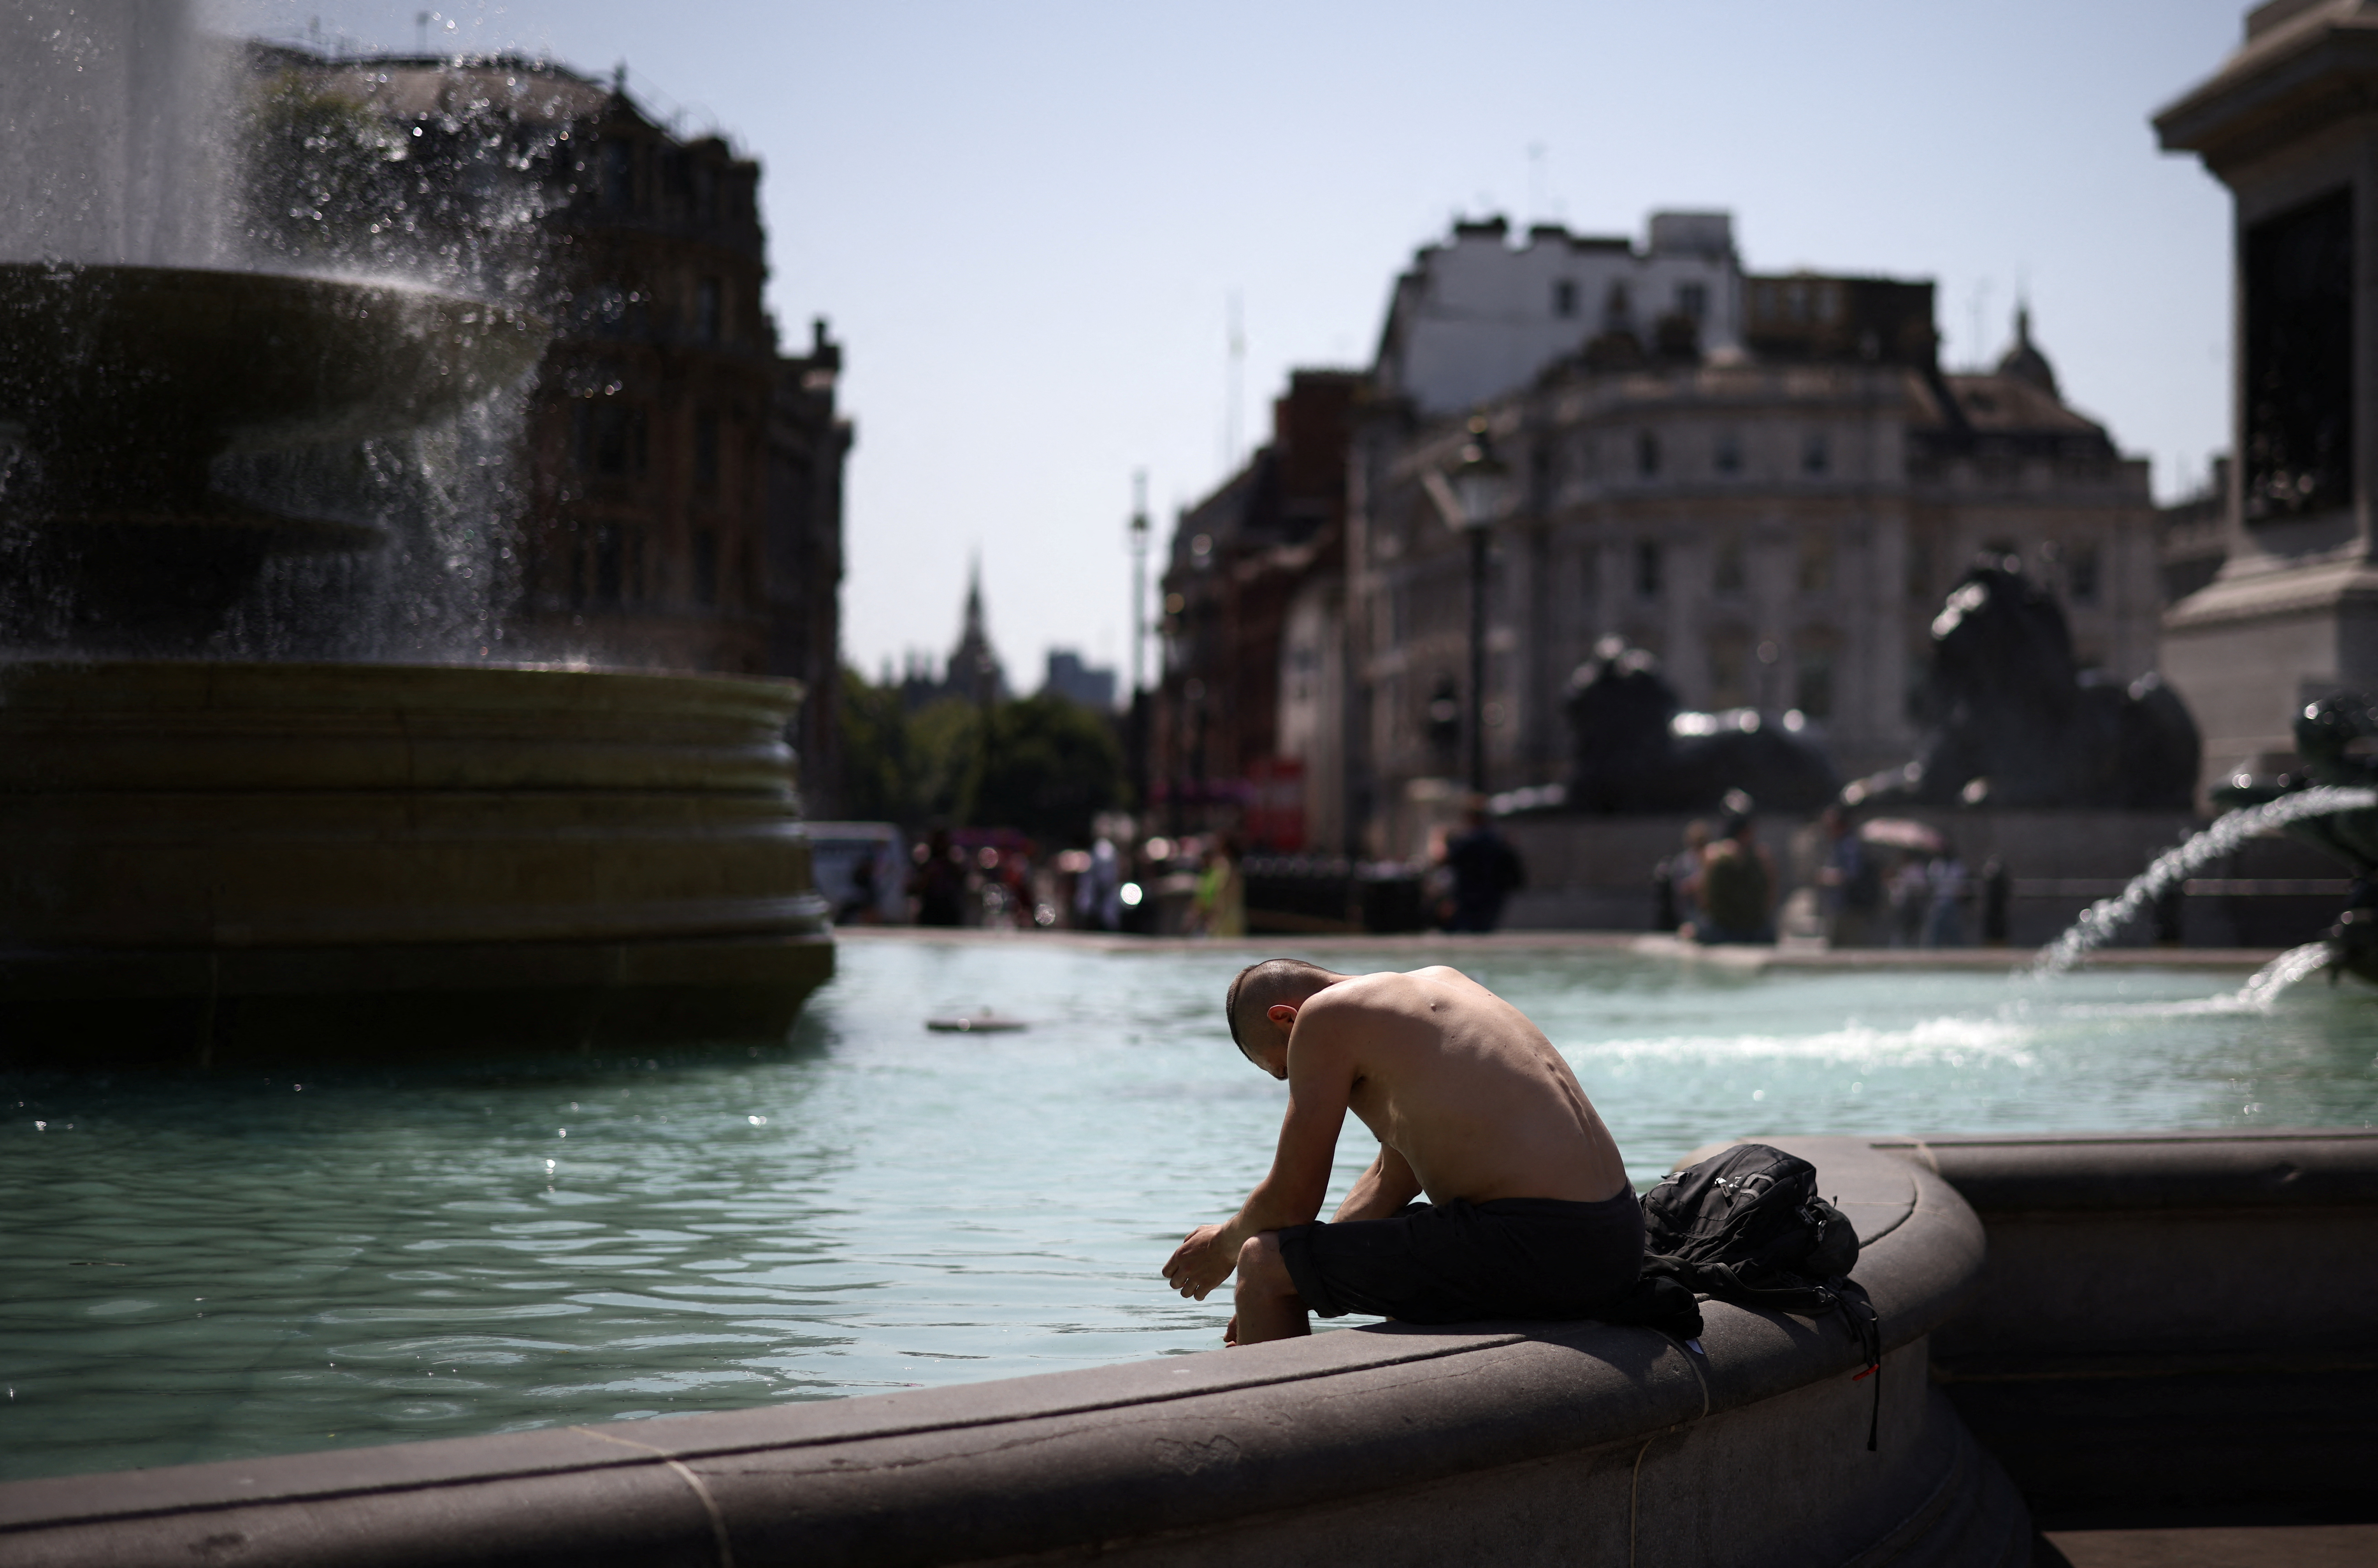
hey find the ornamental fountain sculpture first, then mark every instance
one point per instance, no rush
(2337, 753)
(215, 841)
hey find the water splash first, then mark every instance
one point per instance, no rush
(2101, 921)
(2261, 994)
(2282, 973)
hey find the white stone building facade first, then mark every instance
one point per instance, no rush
(1477, 317)
(1780, 529)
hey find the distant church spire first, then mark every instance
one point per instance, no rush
(974, 672)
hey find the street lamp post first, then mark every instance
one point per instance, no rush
(1478, 492)
(1138, 720)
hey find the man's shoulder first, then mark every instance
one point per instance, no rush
(1388, 990)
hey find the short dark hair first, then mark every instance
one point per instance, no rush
(1270, 982)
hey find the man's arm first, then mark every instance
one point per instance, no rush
(1320, 1080)
(1386, 1186)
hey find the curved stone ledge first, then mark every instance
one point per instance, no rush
(1571, 1443)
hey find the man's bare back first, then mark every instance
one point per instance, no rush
(1470, 1094)
(1470, 1102)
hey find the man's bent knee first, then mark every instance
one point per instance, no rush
(1263, 1267)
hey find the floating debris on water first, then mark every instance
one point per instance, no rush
(987, 1021)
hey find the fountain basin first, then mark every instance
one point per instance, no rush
(213, 861)
(125, 382)
(122, 387)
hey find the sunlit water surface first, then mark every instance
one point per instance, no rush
(206, 1267)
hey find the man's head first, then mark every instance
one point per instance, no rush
(1260, 988)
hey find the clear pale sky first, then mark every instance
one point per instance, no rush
(1026, 222)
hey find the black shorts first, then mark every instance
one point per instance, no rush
(1459, 1263)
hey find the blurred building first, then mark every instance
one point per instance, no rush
(1076, 682)
(2291, 615)
(2193, 535)
(1778, 525)
(1768, 482)
(684, 475)
(1239, 563)
(1476, 317)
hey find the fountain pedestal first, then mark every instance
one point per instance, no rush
(2293, 616)
(211, 862)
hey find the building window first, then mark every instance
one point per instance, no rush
(1816, 563)
(610, 440)
(2298, 352)
(1816, 453)
(1919, 567)
(709, 309)
(1617, 308)
(1726, 455)
(705, 449)
(1727, 578)
(705, 567)
(1812, 683)
(1564, 297)
(2081, 576)
(1647, 453)
(1692, 302)
(1647, 569)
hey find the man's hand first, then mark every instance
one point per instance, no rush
(1203, 1261)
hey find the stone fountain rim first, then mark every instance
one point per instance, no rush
(221, 683)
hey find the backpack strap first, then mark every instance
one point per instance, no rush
(1857, 1310)
(1840, 1294)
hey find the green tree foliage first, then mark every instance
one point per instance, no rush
(1052, 764)
(1048, 767)
(876, 766)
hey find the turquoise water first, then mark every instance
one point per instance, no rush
(204, 1267)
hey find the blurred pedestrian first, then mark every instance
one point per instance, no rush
(1485, 871)
(1675, 878)
(1911, 901)
(1996, 890)
(1949, 888)
(939, 883)
(858, 909)
(1849, 883)
(1736, 885)
(1098, 891)
(1220, 905)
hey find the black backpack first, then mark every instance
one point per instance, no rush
(1747, 1226)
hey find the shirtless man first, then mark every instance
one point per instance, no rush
(1529, 1214)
